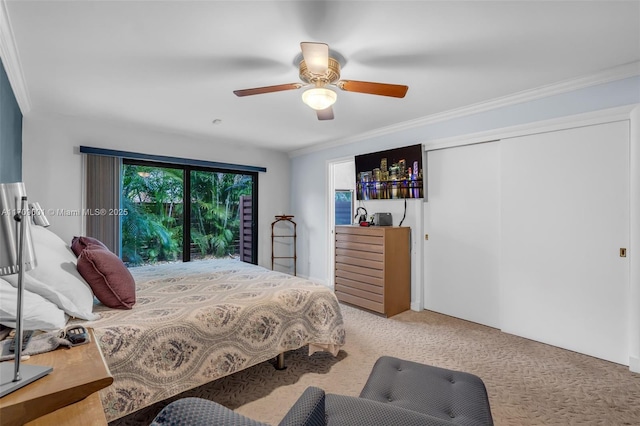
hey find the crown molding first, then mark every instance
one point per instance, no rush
(612, 74)
(11, 60)
(591, 118)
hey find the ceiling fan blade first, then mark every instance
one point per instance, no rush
(268, 89)
(316, 56)
(325, 114)
(383, 89)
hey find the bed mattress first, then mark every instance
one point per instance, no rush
(198, 321)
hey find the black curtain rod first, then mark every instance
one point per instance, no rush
(167, 159)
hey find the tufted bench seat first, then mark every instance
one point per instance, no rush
(398, 392)
(454, 396)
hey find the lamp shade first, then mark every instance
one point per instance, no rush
(11, 195)
(38, 215)
(319, 98)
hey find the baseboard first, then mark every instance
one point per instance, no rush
(634, 364)
(416, 306)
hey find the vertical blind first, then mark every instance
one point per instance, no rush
(103, 199)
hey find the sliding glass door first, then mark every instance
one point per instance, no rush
(183, 213)
(152, 230)
(215, 207)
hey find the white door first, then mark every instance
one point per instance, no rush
(564, 218)
(462, 220)
(341, 176)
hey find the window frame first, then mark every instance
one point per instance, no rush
(351, 193)
(186, 222)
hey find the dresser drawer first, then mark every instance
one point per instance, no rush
(350, 245)
(358, 301)
(364, 239)
(359, 230)
(356, 257)
(371, 288)
(340, 273)
(372, 271)
(374, 297)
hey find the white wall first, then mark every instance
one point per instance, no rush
(309, 170)
(53, 174)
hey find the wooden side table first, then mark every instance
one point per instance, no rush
(67, 396)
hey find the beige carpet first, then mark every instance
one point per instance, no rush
(529, 383)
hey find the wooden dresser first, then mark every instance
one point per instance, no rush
(373, 268)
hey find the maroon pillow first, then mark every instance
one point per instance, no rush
(108, 277)
(80, 243)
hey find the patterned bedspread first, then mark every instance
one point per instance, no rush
(196, 322)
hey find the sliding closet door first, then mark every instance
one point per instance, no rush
(565, 216)
(462, 219)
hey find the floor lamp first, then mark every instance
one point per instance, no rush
(17, 255)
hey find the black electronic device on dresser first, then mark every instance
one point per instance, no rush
(382, 219)
(361, 216)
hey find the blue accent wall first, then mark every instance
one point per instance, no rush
(10, 132)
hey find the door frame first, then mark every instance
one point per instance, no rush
(330, 197)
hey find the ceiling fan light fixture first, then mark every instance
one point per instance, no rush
(319, 98)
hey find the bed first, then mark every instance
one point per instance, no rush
(196, 322)
(192, 323)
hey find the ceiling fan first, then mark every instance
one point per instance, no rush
(319, 71)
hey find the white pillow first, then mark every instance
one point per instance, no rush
(56, 267)
(36, 286)
(37, 312)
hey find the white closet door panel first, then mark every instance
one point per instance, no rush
(565, 215)
(462, 220)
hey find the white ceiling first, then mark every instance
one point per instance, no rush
(173, 65)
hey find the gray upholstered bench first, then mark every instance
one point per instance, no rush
(452, 396)
(398, 392)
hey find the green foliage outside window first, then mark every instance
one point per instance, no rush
(152, 231)
(215, 221)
